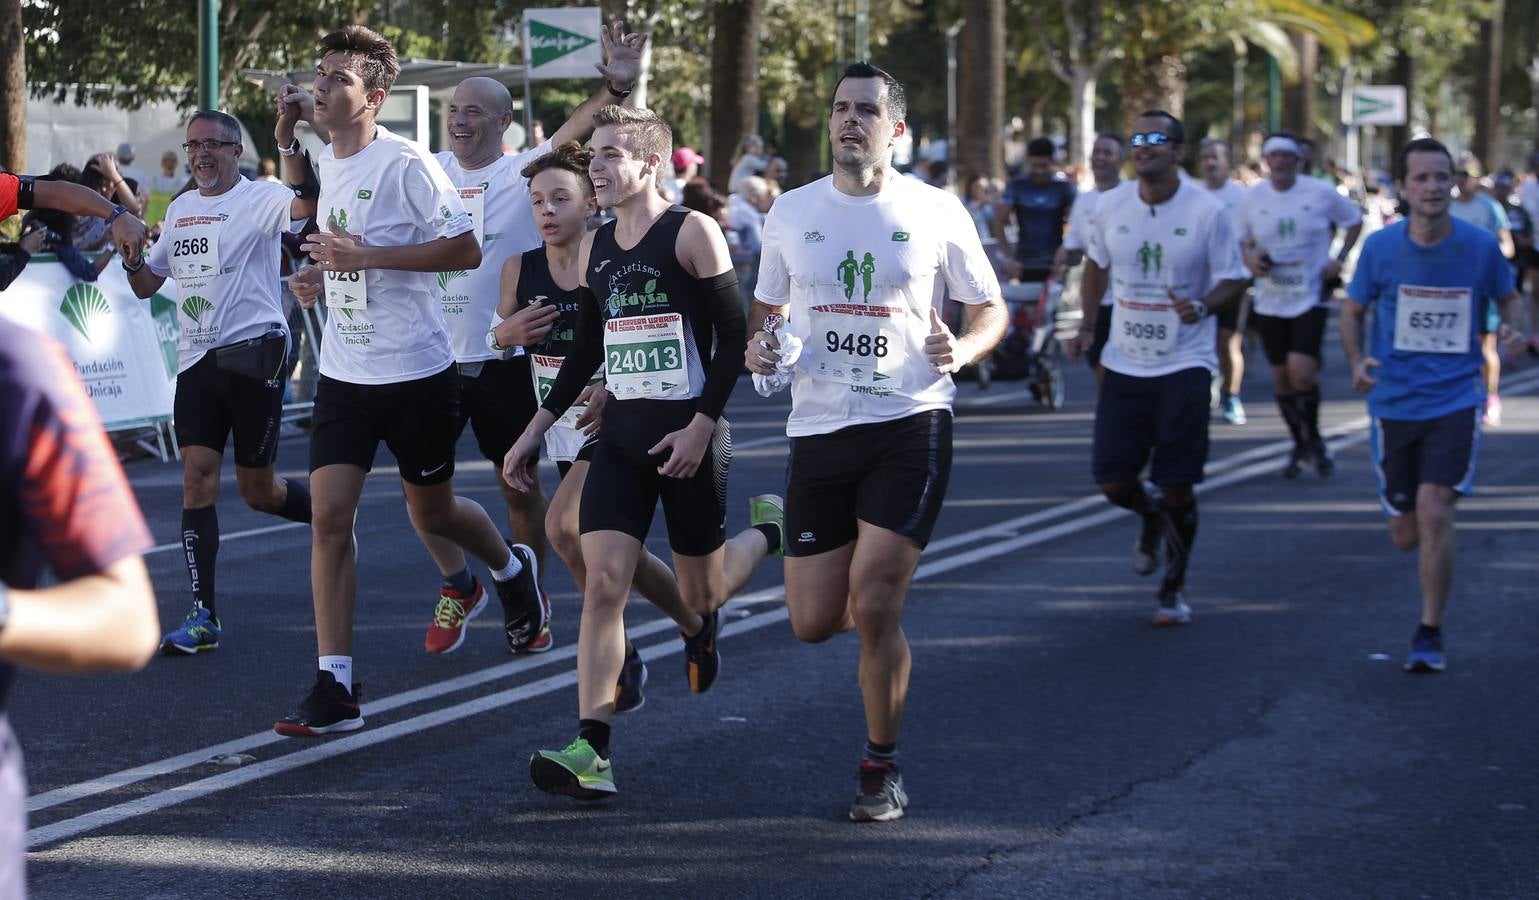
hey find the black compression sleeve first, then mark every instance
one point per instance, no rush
(582, 358)
(725, 303)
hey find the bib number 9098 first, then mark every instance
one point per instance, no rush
(1144, 331)
(857, 345)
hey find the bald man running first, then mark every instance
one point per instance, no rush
(496, 390)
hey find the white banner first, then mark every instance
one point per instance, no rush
(563, 43)
(124, 348)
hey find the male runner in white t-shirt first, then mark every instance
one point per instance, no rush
(871, 393)
(221, 245)
(1107, 157)
(1218, 178)
(393, 219)
(1158, 247)
(1286, 225)
(496, 394)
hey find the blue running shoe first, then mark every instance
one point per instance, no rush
(1426, 653)
(199, 631)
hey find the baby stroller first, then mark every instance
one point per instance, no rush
(1030, 349)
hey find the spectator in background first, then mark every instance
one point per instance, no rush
(981, 198)
(55, 229)
(14, 257)
(536, 133)
(686, 165)
(267, 170)
(745, 217)
(749, 160)
(102, 176)
(141, 181)
(168, 180)
(1038, 201)
(701, 197)
(778, 173)
(1523, 258)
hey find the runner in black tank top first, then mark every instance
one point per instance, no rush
(536, 284)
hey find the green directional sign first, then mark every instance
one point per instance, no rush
(1378, 104)
(562, 42)
(547, 42)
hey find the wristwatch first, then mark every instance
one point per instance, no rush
(615, 91)
(491, 342)
(1202, 308)
(292, 149)
(132, 269)
(117, 210)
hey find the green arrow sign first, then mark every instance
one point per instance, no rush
(1367, 106)
(547, 42)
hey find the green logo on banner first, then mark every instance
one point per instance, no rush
(81, 304)
(445, 277)
(195, 307)
(167, 329)
(547, 43)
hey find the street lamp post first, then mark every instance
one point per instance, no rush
(208, 54)
(951, 100)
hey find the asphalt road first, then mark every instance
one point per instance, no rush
(1056, 745)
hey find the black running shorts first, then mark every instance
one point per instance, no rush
(498, 403)
(1166, 416)
(889, 474)
(624, 486)
(1228, 317)
(212, 403)
(1102, 335)
(419, 421)
(1408, 453)
(1301, 334)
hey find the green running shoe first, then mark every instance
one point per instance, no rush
(768, 509)
(578, 771)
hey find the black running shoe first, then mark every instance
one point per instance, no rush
(328, 708)
(701, 659)
(633, 677)
(525, 610)
(1325, 463)
(1296, 460)
(881, 797)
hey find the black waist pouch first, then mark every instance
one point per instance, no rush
(262, 358)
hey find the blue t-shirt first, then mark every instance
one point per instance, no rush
(1418, 384)
(1041, 211)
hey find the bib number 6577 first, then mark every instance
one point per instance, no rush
(857, 345)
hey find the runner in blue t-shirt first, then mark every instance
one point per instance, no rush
(1428, 279)
(1039, 199)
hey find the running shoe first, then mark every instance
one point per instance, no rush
(633, 677)
(454, 612)
(1426, 653)
(768, 509)
(881, 797)
(1493, 414)
(1172, 611)
(199, 631)
(1325, 461)
(525, 608)
(1233, 410)
(1146, 550)
(328, 708)
(1296, 460)
(578, 771)
(702, 661)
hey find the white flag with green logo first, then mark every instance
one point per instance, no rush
(563, 43)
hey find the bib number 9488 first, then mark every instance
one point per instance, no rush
(863, 345)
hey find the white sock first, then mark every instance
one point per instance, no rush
(341, 668)
(509, 571)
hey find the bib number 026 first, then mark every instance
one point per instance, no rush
(863, 345)
(656, 356)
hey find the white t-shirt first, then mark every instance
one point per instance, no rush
(1230, 195)
(1185, 245)
(167, 184)
(1294, 227)
(1080, 217)
(223, 254)
(392, 193)
(507, 229)
(861, 275)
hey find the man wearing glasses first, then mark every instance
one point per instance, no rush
(1167, 252)
(221, 246)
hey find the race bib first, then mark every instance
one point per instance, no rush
(474, 199)
(855, 344)
(1287, 282)
(347, 290)
(1144, 330)
(195, 249)
(644, 357)
(1433, 319)
(544, 370)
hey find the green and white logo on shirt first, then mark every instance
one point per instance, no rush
(849, 268)
(1287, 228)
(365, 194)
(1154, 256)
(195, 307)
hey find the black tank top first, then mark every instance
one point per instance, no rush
(648, 280)
(536, 283)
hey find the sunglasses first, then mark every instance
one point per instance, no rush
(1149, 138)
(207, 146)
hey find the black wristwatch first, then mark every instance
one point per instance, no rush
(134, 269)
(615, 92)
(117, 210)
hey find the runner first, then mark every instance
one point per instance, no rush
(870, 423)
(1471, 205)
(1285, 225)
(669, 292)
(496, 395)
(221, 245)
(1428, 279)
(539, 313)
(1218, 178)
(387, 368)
(1107, 157)
(1038, 201)
(1161, 245)
(1524, 258)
